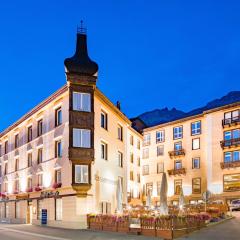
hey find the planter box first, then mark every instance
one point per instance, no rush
(150, 232)
(109, 228)
(165, 234)
(95, 226)
(123, 229)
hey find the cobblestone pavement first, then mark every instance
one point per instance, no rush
(229, 230)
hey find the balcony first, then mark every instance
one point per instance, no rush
(179, 171)
(177, 153)
(234, 164)
(234, 142)
(231, 121)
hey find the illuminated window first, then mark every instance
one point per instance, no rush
(131, 176)
(195, 143)
(131, 157)
(177, 132)
(58, 176)
(177, 186)
(29, 156)
(82, 102)
(120, 159)
(131, 140)
(149, 188)
(196, 185)
(146, 139)
(196, 128)
(81, 174)
(231, 182)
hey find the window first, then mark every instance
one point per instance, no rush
(196, 128)
(160, 136)
(39, 209)
(58, 149)
(177, 132)
(40, 155)
(196, 143)
(196, 185)
(40, 179)
(158, 188)
(104, 151)
(29, 157)
(232, 156)
(6, 169)
(81, 138)
(18, 209)
(104, 120)
(17, 164)
(120, 159)
(138, 161)
(177, 186)
(234, 134)
(82, 102)
(40, 128)
(177, 146)
(81, 174)
(145, 153)
(178, 164)
(149, 188)
(138, 178)
(138, 144)
(58, 209)
(231, 117)
(196, 163)
(231, 182)
(131, 157)
(120, 132)
(6, 147)
(131, 140)
(58, 116)
(145, 170)
(16, 140)
(146, 139)
(29, 134)
(160, 150)
(29, 183)
(131, 176)
(58, 176)
(160, 167)
(16, 185)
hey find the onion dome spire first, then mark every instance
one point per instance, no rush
(80, 63)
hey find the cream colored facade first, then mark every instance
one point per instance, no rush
(210, 153)
(22, 206)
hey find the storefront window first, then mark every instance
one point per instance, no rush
(231, 182)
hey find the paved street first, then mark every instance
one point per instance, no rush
(228, 230)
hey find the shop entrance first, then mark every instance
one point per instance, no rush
(29, 213)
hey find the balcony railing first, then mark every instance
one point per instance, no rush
(179, 171)
(177, 153)
(234, 142)
(231, 121)
(230, 164)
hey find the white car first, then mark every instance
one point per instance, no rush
(235, 204)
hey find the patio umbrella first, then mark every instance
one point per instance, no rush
(149, 199)
(181, 203)
(119, 197)
(163, 195)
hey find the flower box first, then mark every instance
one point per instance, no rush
(57, 185)
(29, 190)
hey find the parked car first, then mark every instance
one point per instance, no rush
(235, 204)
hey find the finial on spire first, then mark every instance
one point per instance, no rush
(81, 29)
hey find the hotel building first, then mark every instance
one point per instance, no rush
(69, 154)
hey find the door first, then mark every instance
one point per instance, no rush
(29, 214)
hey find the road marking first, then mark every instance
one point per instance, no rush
(34, 234)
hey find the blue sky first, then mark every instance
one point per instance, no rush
(151, 54)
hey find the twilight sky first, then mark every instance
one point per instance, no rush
(151, 54)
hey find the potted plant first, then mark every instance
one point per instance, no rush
(38, 188)
(57, 185)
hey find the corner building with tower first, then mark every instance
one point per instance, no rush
(68, 154)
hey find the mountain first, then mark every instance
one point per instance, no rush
(159, 116)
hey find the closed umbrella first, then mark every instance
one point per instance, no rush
(163, 195)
